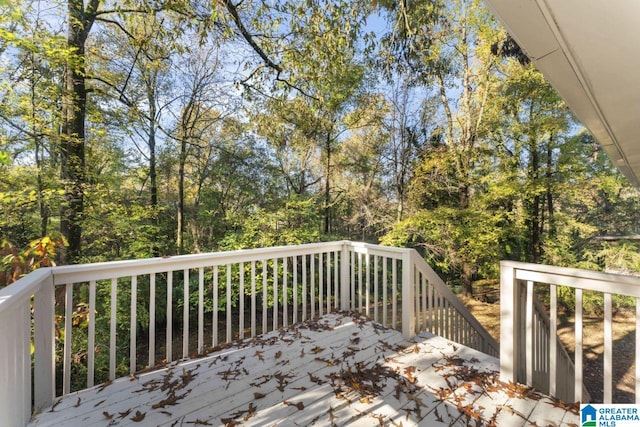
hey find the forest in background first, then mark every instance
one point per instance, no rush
(147, 128)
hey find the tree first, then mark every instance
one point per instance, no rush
(459, 62)
(29, 113)
(80, 20)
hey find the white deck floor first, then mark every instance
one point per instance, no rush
(339, 370)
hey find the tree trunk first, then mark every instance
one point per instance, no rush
(327, 188)
(153, 176)
(549, 176)
(181, 167)
(42, 205)
(533, 212)
(72, 144)
(467, 267)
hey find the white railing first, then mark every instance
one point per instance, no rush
(530, 350)
(116, 318)
(421, 302)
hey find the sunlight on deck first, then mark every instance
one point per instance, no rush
(339, 370)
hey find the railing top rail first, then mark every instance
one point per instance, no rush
(107, 270)
(374, 249)
(576, 278)
(23, 288)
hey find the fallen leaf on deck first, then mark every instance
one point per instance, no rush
(103, 386)
(298, 405)
(199, 423)
(315, 379)
(438, 417)
(250, 412)
(139, 416)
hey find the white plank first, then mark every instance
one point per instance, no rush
(185, 313)
(637, 388)
(152, 320)
(529, 332)
(241, 303)
(91, 339)
(253, 299)
(68, 317)
(169, 316)
(215, 339)
(608, 350)
(275, 294)
(228, 298)
(112, 329)
(578, 347)
(133, 322)
(285, 292)
(200, 310)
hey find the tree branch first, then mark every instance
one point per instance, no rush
(232, 9)
(248, 37)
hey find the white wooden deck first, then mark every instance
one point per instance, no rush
(339, 370)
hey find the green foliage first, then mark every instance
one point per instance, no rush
(296, 223)
(448, 237)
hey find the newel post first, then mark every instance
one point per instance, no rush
(508, 323)
(344, 278)
(44, 345)
(408, 296)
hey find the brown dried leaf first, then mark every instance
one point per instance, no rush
(250, 412)
(139, 416)
(200, 423)
(323, 360)
(103, 386)
(298, 405)
(124, 414)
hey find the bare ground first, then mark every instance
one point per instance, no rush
(593, 347)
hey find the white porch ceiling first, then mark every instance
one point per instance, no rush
(589, 50)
